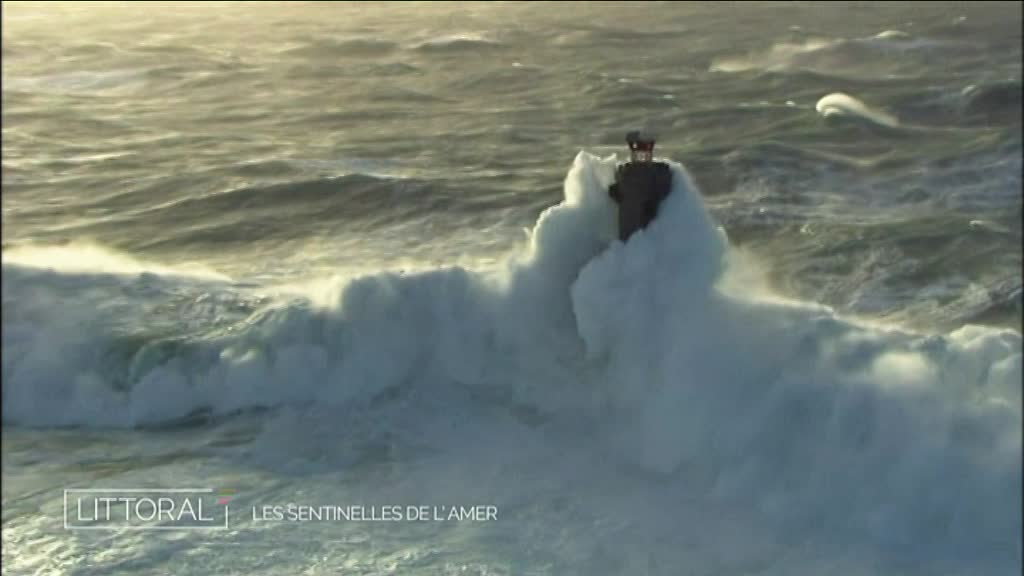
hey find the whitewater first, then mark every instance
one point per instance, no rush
(638, 407)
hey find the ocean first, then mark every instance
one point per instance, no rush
(353, 269)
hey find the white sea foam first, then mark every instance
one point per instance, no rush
(839, 105)
(87, 258)
(913, 439)
(781, 56)
(456, 42)
(836, 56)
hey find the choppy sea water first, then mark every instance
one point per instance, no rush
(362, 254)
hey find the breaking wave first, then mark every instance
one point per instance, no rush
(456, 43)
(841, 106)
(669, 366)
(892, 51)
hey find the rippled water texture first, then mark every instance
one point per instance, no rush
(363, 254)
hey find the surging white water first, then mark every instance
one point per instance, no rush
(913, 440)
